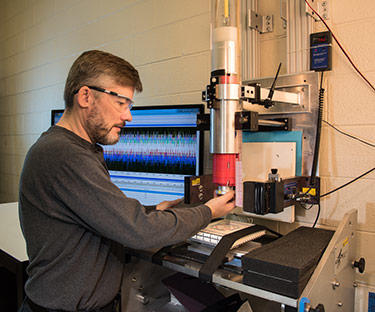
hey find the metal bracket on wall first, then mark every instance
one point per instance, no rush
(262, 24)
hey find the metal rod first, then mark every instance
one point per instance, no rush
(271, 123)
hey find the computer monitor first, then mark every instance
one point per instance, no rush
(156, 151)
(56, 114)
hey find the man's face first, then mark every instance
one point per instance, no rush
(108, 113)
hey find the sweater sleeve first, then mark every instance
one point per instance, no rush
(83, 186)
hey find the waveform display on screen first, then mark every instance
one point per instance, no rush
(161, 150)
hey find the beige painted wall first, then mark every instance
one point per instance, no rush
(168, 41)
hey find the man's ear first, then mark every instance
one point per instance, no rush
(84, 97)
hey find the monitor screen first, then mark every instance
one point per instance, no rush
(156, 151)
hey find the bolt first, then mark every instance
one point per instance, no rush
(134, 279)
(335, 284)
(355, 284)
(340, 304)
(268, 18)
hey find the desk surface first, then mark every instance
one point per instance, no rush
(11, 239)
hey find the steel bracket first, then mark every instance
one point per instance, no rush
(262, 24)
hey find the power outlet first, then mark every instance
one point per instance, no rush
(323, 9)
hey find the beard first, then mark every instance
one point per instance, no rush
(98, 131)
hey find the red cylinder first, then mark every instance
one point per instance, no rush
(224, 169)
(233, 79)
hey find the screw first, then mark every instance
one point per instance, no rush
(335, 284)
(340, 304)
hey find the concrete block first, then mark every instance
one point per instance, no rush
(5, 124)
(176, 75)
(2, 87)
(123, 48)
(64, 5)
(157, 100)
(36, 123)
(11, 85)
(358, 195)
(195, 34)
(16, 24)
(345, 11)
(169, 11)
(154, 45)
(342, 156)
(194, 97)
(351, 100)
(10, 66)
(12, 8)
(42, 10)
(357, 40)
(112, 6)
(6, 105)
(13, 45)
(272, 53)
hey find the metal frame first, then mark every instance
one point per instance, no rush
(331, 284)
(304, 115)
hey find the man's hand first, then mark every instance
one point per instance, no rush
(222, 205)
(168, 204)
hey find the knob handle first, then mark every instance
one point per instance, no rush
(360, 264)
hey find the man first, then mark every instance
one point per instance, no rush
(72, 216)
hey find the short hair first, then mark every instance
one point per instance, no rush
(91, 65)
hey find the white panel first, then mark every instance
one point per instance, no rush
(259, 157)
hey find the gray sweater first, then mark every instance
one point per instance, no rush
(75, 220)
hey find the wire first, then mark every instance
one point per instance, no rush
(349, 135)
(317, 215)
(342, 49)
(318, 132)
(346, 184)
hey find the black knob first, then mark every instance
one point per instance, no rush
(361, 264)
(274, 170)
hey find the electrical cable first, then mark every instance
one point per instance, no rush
(318, 132)
(346, 184)
(342, 49)
(349, 135)
(317, 215)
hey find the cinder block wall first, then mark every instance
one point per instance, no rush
(350, 107)
(168, 41)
